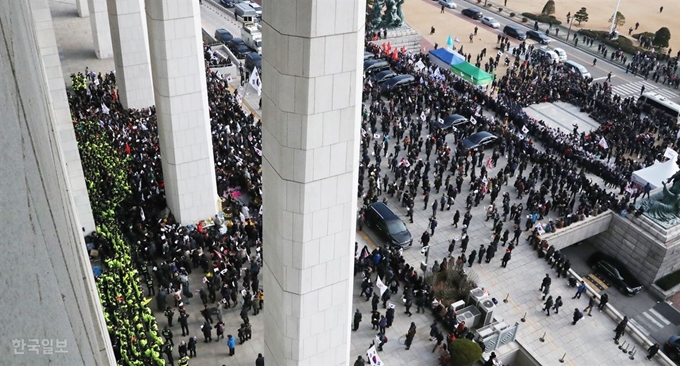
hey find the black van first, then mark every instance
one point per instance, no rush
(388, 225)
(375, 65)
(514, 32)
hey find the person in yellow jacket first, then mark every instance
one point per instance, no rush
(184, 361)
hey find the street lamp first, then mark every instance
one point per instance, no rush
(570, 23)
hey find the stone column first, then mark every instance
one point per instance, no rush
(131, 53)
(49, 53)
(83, 10)
(181, 95)
(310, 110)
(49, 294)
(101, 33)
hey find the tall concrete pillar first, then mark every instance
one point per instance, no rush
(49, 294)
(101, 33)
(49, 54)
(131, 53)
(83, 9)
(181, 95)
(310, 112)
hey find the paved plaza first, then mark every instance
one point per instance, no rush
(589, 343)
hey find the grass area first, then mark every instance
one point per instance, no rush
(669, 281)
(623, 43)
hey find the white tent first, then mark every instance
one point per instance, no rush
(655, 174)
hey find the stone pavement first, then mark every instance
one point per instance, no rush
(588, 343)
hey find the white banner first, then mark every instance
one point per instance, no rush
(255, 81)
(381, 286)
(525, 130)
(373, 357)
(671, 154)
(422, 116)
(473, 120)
(603, 143)
(419, 66)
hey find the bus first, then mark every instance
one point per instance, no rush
(648, 101)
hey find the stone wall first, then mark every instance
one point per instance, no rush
(646, 250)
(580, 230)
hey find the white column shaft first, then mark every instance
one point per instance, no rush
(101, 33)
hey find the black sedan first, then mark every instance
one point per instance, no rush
(449, 122)
(472, 13)
(539, 37)
(396, 82)
(383, 76)
(479, 140)
(616, 272)
(238, 47)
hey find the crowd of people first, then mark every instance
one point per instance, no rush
(227, 248)
(405, 156)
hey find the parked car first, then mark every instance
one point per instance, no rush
(491, 22)
(579, 69)
(539, 37)
(375, 65)
(223, 35)
(449, 122)
(672, 347)
(238, 48)
(383, 76)
(256, 7)
(388, 225)
(448, 3)
(253, 59)
(514, 32)
(480, 139)
(560, 53)
(545, 54)
(616, 272)
(368, 55)
(472, 13)
(229, 3)
(396, 82)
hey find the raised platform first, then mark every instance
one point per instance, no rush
(404, 36)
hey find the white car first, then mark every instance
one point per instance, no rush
(491, 22)
(560, 54)
(448, 3)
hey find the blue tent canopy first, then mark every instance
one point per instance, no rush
(447, 57)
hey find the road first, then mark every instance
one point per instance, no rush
(656, 319)
(625, 85)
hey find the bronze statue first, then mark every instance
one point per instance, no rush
(376, 14)
(392, 18)
(667, 206)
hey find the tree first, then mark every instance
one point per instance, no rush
(620, 19)
(464, 352)
(581, 16)
(661, 37)
(549, 8)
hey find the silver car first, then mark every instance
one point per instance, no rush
(448, 3)
(491, 22)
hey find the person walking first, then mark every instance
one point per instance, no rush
(184, 323)
(471, 259)
(546, 282)
(207, 331)
(442, 11)
(591, 305)
(382, 324)
(604, 299)
(558, 304)
(374, 302)
(167, 334)
(260, 360)
(389, 315)
(651, 351)
(580, 290)
(360, 360)
(440, 338)
(357, 320)
(192, 346)
(546, 291)
(231, 343)
(408, 302)
(167, 349)
(169, 314)
(375, 319)
(548, 304)
(506, 258)
(410, 335)
(577, 316)
(620, 329)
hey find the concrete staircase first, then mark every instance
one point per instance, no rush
(404, 36)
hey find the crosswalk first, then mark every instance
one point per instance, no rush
(633, 89)
(650, 321)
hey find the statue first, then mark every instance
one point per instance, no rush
(667, 206)
(376, 14)
(392, 18)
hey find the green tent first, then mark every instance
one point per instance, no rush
(471, 73)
